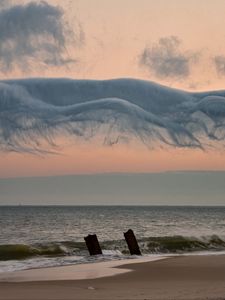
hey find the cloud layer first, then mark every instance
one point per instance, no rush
(34, 33)
(165, 59)
(34, 112)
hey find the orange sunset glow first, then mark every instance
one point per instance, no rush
(82, 160)
(109, 40)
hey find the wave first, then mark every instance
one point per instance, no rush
(149, 245)
(34, 111)
(21, 251)
(180, 244)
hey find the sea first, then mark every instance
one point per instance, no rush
(44, 236)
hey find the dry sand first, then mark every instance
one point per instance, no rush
(184, 277)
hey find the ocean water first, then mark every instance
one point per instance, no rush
(32, 237)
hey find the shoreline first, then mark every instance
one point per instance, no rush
(180, 277)
(105, 263)
(92, 270)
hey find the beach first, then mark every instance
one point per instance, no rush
(179, 277)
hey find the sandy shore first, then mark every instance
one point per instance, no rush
(184, 277)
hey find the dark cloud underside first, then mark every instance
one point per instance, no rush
(33, 111)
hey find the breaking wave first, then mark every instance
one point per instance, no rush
(151, 245)
(33, 112)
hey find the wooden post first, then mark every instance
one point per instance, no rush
(132, 242)
(93, 244)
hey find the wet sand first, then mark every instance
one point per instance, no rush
(183, 277)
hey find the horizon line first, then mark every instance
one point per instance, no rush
(107, 205)
(113, 173)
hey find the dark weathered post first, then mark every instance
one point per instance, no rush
(132, 242)
(93, 244)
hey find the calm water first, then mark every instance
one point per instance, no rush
(44, 236)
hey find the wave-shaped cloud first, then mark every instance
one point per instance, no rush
(35, 32)
(37, 110)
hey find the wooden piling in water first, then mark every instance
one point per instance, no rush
(132, 242)
(93, 244)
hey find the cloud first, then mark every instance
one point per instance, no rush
(35, 33)
(165, 59)
(219, 62)
(34, 112)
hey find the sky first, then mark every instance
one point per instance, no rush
(177, 43)
(110, 38)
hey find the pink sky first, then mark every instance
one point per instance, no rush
(96, 159)
(116, 33)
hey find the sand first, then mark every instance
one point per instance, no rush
(183, 277)
(76, 272)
